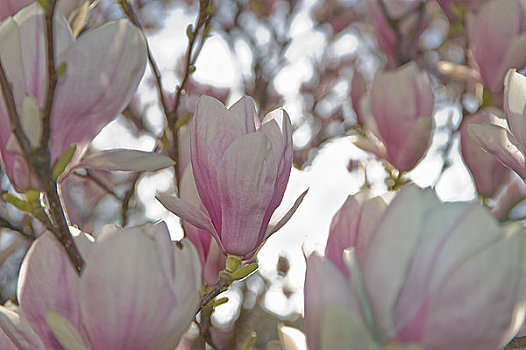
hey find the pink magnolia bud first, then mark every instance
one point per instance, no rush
(439, 275)
(401, 109)
(241, 168)
(508, 146)
(92, 89)
(138, 290)
(352, 226)
(497, 39)
(397, 49)
(488, 173)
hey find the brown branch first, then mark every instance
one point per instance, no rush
(62, 233)
(39, 159)
(516, 344)
(51, 72)
(221, 286)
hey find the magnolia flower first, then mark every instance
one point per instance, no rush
(488, 173)
(497, 39)
(241, 168)
(399, 114)
(102, 69)
(508, 146)
(138, 290)
(435, 275)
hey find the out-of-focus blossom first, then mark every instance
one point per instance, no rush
(263, 8)
(398, 49)
(432, 275)
(134, 274)
(508, 146)
(399, 114)
(101, 71)
(497, 39)
(454, 8)
(352, 226)
(241, 168)
(339, 16)
(488, 173)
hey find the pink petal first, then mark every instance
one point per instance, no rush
(501, 144)
(214, 130)
(187, 284)
(246, 187)
(103, 69)
(48, 282)
(352, 226)
(487, 172)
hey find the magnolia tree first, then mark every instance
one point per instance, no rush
(401, 268)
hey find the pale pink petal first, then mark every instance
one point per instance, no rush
(515, 105)
(390, 251)
(14, 325)
(121, 288)
(48, 282)
(214, 130)
(450, 235)
(501, 144)
(125, 160)
(277, 127)
(486, 315)
(332, 312)
(187, 284)
(103, 69)
(246, 187)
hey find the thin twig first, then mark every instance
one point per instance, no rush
(4, 223)
(99, 183)
(132, 16)
(221, 286)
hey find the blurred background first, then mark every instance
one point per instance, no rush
(299, 54)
